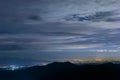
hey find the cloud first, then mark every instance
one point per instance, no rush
(117, 19)
(58, 26)
(49, 40)
(98, 16)
(78, 46)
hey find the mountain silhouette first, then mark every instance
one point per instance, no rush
(64, 71)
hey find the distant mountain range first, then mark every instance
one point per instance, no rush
(64, 71)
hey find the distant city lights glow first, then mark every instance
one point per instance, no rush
(13, 67)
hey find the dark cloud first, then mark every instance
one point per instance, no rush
(54, 28)
(98, 16)
(34, 17)
(113, 19)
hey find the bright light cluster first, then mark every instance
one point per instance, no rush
(13, 67)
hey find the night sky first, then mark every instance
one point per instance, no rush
(42, 31)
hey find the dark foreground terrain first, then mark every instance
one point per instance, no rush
(65, 71)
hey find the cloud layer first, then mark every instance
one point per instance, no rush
(59, 25)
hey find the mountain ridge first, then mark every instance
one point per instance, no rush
(64, 71)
